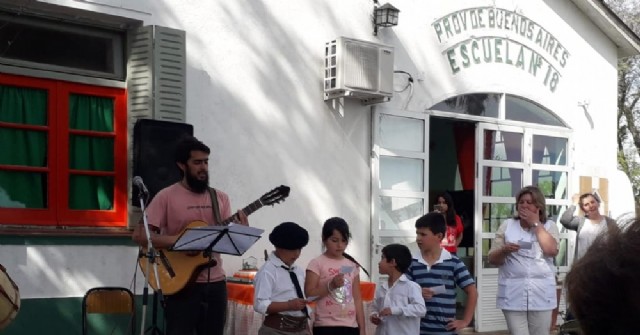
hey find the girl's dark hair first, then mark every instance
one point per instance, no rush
(450, 215)
(340, 225)
(400, 253)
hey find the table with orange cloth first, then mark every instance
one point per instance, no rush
(242, 319)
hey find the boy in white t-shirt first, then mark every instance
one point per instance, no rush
(398, 303)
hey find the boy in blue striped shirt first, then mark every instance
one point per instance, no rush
(438, 272)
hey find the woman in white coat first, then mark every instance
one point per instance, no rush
(524, 248)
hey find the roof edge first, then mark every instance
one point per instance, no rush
(620, 33)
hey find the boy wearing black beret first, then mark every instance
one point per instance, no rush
(278, 292)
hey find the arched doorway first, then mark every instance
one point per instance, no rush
(510, 142)
(482, 148)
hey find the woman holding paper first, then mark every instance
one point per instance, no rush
(524, 248)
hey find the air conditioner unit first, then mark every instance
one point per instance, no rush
(358, 69)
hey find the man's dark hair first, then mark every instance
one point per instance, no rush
(434, 222)
(400, 253)
(603, 285)
(185, 146)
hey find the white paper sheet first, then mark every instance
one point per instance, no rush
(525, 244)
(440, 289)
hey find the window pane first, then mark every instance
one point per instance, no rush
(549, 150)
(494, 214)
(90, 192)
(401, 133)
(553, 184)
(480, 104)
(91, 153)
(502, 146)
(562, 259)
(501, 182)
(23, 105)
(23, 189)
(519, 109)
(386, 240)
(91, 113)
(403, 174)
(486, 246)
(400, 213)
(554, 212)
(23, 148)
(87, 49)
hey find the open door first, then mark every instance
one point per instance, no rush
(499, 174)
(509, 158)
(399, 178)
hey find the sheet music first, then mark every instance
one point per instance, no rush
(235, 239)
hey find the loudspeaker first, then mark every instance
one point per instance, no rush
(154, 144)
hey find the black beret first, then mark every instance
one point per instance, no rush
(289, 236)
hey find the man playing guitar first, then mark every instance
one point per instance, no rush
(200, 307)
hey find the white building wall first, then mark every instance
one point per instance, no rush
(254, 95)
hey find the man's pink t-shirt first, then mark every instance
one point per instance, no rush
(175, 206)
(329, 312)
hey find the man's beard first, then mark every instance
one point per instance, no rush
(196, 185)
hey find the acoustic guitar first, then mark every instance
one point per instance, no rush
(177, 268)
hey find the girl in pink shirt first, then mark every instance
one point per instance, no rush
(334, 278)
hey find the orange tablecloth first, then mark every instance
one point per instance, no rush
(243, 320)
(243, 293)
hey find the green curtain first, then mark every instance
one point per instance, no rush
(24, 148)
(90, 153)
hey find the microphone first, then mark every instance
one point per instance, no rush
(137, 181)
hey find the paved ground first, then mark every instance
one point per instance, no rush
(470, 332)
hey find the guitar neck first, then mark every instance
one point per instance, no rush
(252, 207)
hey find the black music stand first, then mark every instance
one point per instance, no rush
(234, 239)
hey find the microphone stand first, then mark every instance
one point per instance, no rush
(151, 259)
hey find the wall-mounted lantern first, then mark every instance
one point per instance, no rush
(384, 16)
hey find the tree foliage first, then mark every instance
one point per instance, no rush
(629, 98)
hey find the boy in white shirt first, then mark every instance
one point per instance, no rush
(278, 291)
(398, 302)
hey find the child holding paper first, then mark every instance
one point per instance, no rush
(334, 278)
(278, 293)
(398, 303)
(438, 272)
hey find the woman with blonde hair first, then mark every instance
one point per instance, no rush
(523, 249)
(589, 226)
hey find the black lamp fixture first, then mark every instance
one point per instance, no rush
(384, 16)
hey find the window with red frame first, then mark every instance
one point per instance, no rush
(63, 151)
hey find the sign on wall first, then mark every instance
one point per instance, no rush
(490, 35)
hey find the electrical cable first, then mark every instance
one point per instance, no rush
(409, 86)
(409, 80)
